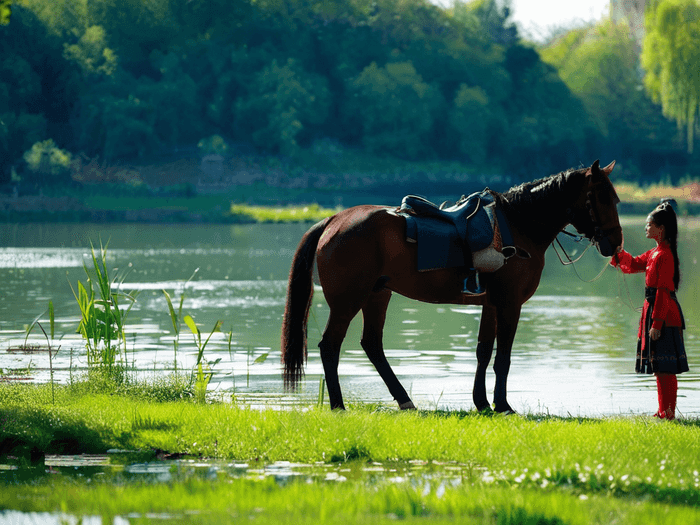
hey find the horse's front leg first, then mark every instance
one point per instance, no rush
(484, 349)
(507, 322)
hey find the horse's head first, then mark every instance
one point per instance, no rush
(595, 215)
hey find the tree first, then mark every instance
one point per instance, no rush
(396, 109)
(48, 163)
(92, 54)
(284, 102)
(600, 66)
(471, 118)
(671, 59)
(5, 12)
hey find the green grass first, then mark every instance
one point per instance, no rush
(323, 502)
(533, 469)
(311, 212)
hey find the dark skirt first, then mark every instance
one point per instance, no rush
(667, 353)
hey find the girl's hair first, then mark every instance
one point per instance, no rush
(664, 215)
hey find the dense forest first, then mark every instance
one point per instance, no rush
(124, 80)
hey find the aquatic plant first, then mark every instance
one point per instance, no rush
(52, 327)
(102, 319)
(202, 376)
(176, 316)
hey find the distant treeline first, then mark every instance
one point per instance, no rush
(127, 79)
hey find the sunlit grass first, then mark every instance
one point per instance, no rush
(310, 212)
(231, 500)
(512, 469)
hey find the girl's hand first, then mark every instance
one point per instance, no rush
(654, 334)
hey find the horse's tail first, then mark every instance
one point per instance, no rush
(300, 291)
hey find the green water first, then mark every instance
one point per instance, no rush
(573, 353)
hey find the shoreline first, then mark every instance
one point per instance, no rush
(67, 209)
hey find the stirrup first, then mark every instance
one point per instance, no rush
(472, 286)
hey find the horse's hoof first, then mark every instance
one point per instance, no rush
(503, 408)
(408, 405)
(482, 406)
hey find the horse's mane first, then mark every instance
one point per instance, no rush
(542, 200)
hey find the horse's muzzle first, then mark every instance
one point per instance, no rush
(605, 246)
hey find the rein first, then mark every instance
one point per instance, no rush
(571, 262)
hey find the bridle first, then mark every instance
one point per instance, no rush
(600, 233)
(597, 233)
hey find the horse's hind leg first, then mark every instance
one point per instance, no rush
(330, 344)
(484, 350)
(374, 316)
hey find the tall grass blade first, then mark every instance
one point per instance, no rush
(52, 321)
(173, 316)
(193, 328)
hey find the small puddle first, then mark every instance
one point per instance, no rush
(118, 467)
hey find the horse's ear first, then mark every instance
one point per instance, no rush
(596, 166)
(608, 169)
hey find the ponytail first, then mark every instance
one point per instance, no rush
(664, 215)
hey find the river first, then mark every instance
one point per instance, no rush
(573, 353)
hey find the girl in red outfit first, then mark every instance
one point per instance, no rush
(660, 349)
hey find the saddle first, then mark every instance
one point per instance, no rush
(472, 234)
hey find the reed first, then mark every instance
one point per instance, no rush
(102, 321)
(203, 369)
(176, 315)
(52, 328)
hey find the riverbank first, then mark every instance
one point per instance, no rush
(258, 202)
(378, 464)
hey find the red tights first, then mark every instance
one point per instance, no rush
(667, 389)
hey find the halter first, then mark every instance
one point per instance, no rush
(599, 235)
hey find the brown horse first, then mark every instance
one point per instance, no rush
(362, 257)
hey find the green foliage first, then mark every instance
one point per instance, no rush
(5, 12)
(600, 65)
(203, 372)
(48, 162)
(470, 119)
(284, 101)
(92, 54)
(212, 145)
(671, 57)
(123, 80)
(102, 322)
(396, 109)
(17, 133)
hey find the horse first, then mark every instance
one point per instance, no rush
(362, 257)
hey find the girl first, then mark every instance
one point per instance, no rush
(660, 348)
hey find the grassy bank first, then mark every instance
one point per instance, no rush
(513, 469)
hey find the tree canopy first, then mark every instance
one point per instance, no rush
(125, 79)
(671, 59)
(601, 67)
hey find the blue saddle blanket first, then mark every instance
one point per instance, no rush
(447, 238)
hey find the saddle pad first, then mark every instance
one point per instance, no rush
(438, 243)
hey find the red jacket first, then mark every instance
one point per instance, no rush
(659, 267)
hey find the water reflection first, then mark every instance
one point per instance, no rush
(573, 354)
